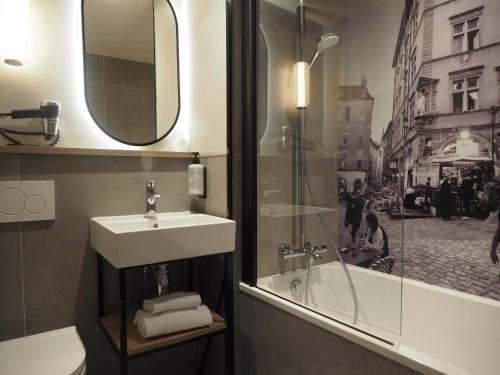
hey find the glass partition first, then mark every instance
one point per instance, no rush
(330, 224)
(377, 130)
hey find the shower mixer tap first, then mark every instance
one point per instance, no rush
(286, 252)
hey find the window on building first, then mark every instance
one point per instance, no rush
(412, 111)
(346, 138)
(413, 65)
(359, 163)
(360, 141)
(343, 161)
(465, 35)
(360, 153)
(465, 94)
(344, 114)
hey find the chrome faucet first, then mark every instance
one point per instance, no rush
(151, 197)
(314, 252)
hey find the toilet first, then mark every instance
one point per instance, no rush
(58, 352)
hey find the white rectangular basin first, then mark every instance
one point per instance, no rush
(134, 240)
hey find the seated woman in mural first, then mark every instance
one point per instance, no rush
(376, 238)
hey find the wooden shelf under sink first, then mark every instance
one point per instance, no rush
(137, 345)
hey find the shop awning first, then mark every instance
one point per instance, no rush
(451, 159)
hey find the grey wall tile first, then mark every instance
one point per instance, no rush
(11, 309)
(95, 102)
(123, 114)
(149, 114)
(126, 73)
(275, 342)
(216, 201)
(9, 167)
(11, 281)
(93, 68)
(59, 265)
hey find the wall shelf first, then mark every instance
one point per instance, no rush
(93, 152)
(126, 339)
(137, 345)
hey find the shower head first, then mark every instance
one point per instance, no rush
(326, 41)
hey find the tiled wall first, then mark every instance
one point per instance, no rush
(274, 342)
(48, 270)
(121, 96)
(277, 187)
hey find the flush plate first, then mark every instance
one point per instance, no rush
(26, 201)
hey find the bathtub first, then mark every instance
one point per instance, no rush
(430, 329)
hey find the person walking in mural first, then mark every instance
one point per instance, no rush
(466, 195)
(354, 213)
(444, 199)
(495, 242)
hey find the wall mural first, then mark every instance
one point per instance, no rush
(432, 158)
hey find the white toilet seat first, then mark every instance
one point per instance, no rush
(58, 352)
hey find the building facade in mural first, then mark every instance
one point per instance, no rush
(446, 93)
(355, 123)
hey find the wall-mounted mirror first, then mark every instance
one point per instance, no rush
(131, 68)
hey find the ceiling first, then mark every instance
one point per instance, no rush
(330, 10)
(121, 29)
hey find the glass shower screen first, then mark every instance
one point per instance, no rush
(329, 204)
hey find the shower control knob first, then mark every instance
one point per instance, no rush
(284, 249)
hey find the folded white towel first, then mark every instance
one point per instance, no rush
(151, 325)
(172, 301)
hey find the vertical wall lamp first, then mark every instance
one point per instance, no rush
(15, 31)
(301, 78)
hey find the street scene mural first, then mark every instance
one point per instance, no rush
(424, 160)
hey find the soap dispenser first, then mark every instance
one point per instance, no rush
(197, 178)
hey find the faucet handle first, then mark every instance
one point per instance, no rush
(150, 186)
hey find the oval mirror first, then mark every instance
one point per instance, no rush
(131, 68)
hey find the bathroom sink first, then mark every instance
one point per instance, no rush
(134, 240)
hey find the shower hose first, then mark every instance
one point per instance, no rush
(326, 228)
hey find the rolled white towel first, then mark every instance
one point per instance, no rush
(151, 325)
(172, 301)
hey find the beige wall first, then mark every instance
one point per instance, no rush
(207, 70)
(55, 71)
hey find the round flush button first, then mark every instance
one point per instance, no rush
(34, 204)
(11, 201)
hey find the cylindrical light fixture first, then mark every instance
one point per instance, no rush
(15, 31)
(301, 79)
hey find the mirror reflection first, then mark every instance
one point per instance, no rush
(131, 68)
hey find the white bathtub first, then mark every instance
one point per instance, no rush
(430, 329)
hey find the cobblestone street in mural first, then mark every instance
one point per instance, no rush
(453, 254)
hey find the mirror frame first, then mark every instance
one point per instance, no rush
(178, 82)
